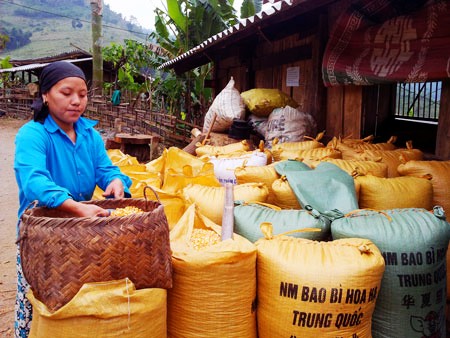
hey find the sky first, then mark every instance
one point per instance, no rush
(142, 10)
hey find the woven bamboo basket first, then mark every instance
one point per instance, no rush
(60, 252)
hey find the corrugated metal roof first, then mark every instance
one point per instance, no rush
(66, 55)
(37, 65)
(274, 9)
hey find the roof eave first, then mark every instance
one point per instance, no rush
(204, 53)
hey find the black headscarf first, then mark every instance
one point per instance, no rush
(51, 74)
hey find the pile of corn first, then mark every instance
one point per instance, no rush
(202, 239)
(130, 210)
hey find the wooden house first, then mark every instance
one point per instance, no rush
(364, 67)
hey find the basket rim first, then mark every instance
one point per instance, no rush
(28, 213)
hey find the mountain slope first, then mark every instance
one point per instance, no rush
(59, 26)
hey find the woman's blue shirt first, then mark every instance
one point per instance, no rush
(50, 168)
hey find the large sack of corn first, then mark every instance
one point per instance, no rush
(282, 194)
(355, 167)
(307, 143)
(120, 159)
(174, 204)
(227, 105)
(257, 174)
(393, 158)
(351, 149)
(157, 165)
(140, 178)
(394, 193)
(289, 125)
(308, 156)
(210, 150)
(211, 200)
(262, 101)
(388, 145)
(249, 216)
(325, 188)
(177, 158)
(314, 289)
(224, 166)
(438, 172)
(104, 309)
(214, 282)
(412, 301)
(177, 180)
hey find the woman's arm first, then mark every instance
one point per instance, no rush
(81, 209)
(109, 177)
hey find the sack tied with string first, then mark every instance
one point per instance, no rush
(413, 242)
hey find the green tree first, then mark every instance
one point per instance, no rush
(135, 66)
(187, 23)
(180, 27)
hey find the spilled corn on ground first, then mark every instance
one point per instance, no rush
(202, 239)
(130, 210)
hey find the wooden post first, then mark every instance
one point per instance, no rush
(97, 59)
(228, 213)
(209, 130)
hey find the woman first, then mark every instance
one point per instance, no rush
(59, 160)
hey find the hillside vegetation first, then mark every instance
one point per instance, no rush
(57, 26)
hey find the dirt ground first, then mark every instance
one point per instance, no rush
(8, 219)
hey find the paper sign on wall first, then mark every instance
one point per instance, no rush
(292, 76)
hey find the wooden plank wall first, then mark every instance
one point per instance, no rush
(344, 103)
(443, 133)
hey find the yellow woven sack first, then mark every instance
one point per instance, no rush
(202, 150)
(210, 200)
(307, 156)
(258, 174)
(142, 179)
(393, 193)
(214, 287)
(283, 195)
(107, 310)
(392, 158)
(262, 101)
(378, 169)
(139, 180)
(174, 205)
(237, 153)
(119, 158)
(176, 180)
(351, 141)
(157, 165)
(439, 174)
(177, 158)
(389, 145)
(347, 150)
(302, 145)
(312, 289)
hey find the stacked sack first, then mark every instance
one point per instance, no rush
(324, 267)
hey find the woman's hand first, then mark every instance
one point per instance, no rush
(83, 210)
(115, 188)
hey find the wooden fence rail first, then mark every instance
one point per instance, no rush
(133, 120)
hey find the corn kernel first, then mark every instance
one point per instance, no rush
(202, 239)
(130, 210)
